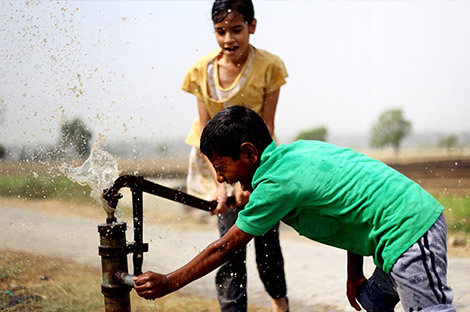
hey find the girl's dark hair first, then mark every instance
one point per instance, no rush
(222, 8)
(230, 128)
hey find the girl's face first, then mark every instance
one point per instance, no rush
(233, 34)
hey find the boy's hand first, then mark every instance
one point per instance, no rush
(353, 290)
(241, 196)
(356, 280)
(151, 285)
(221, 197)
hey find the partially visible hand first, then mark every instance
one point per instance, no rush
(151, 285)
(353, 290)
(221, 197)
(241, 196)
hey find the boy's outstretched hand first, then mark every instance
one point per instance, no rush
(356, 280)
(151, 285)
(353, 289)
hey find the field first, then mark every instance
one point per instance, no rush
(446, 175)
(45, 283)
(32, 282)
(439, 176)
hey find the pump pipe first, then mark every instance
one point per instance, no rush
(113, 251)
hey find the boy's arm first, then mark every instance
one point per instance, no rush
(269, 109)
(356, 279)
(151, 285)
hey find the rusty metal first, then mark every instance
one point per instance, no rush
(113, 249)
(113, 252)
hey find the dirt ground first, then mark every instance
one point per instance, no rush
(446, 176)
(177, 218)
(441, 177)
(315, 272)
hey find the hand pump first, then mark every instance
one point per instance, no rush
(117, 282)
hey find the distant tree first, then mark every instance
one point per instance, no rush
(162, 149)
(390, 130)
(23, 154)
(319, 134)
(448, 142)
(75, 135)
(3, 152)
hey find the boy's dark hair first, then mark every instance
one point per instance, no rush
(230, 128)
(222, 8)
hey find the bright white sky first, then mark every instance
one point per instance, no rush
(119, 65)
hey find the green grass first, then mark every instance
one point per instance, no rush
(37, 283)
(43, 187)
(457, 212)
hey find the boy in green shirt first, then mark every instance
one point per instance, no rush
(332, 195)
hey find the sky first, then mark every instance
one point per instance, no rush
(119, 65)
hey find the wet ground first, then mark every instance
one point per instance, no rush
(315, 273)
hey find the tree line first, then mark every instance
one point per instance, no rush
(74, 140)
(390, 129)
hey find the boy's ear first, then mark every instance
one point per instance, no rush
(253, 26)
(250, 152)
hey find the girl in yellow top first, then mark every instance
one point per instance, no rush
(236, 74)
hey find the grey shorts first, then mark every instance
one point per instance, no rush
(418, 278)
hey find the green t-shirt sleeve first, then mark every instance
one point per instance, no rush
(268, 204)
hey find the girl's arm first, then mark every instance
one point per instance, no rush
(269, 109)
(221, 193)
(151, 285)
(204, 116)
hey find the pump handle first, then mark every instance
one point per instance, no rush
(112, 195)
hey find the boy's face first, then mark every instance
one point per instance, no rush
(233, 34)
(232, 171)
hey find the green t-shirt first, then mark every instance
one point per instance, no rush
(338, 197)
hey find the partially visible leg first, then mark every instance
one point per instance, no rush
(231, 278)
(421, 272)
(379, 294)
(270, 263)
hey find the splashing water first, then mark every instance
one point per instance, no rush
(99, 172)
